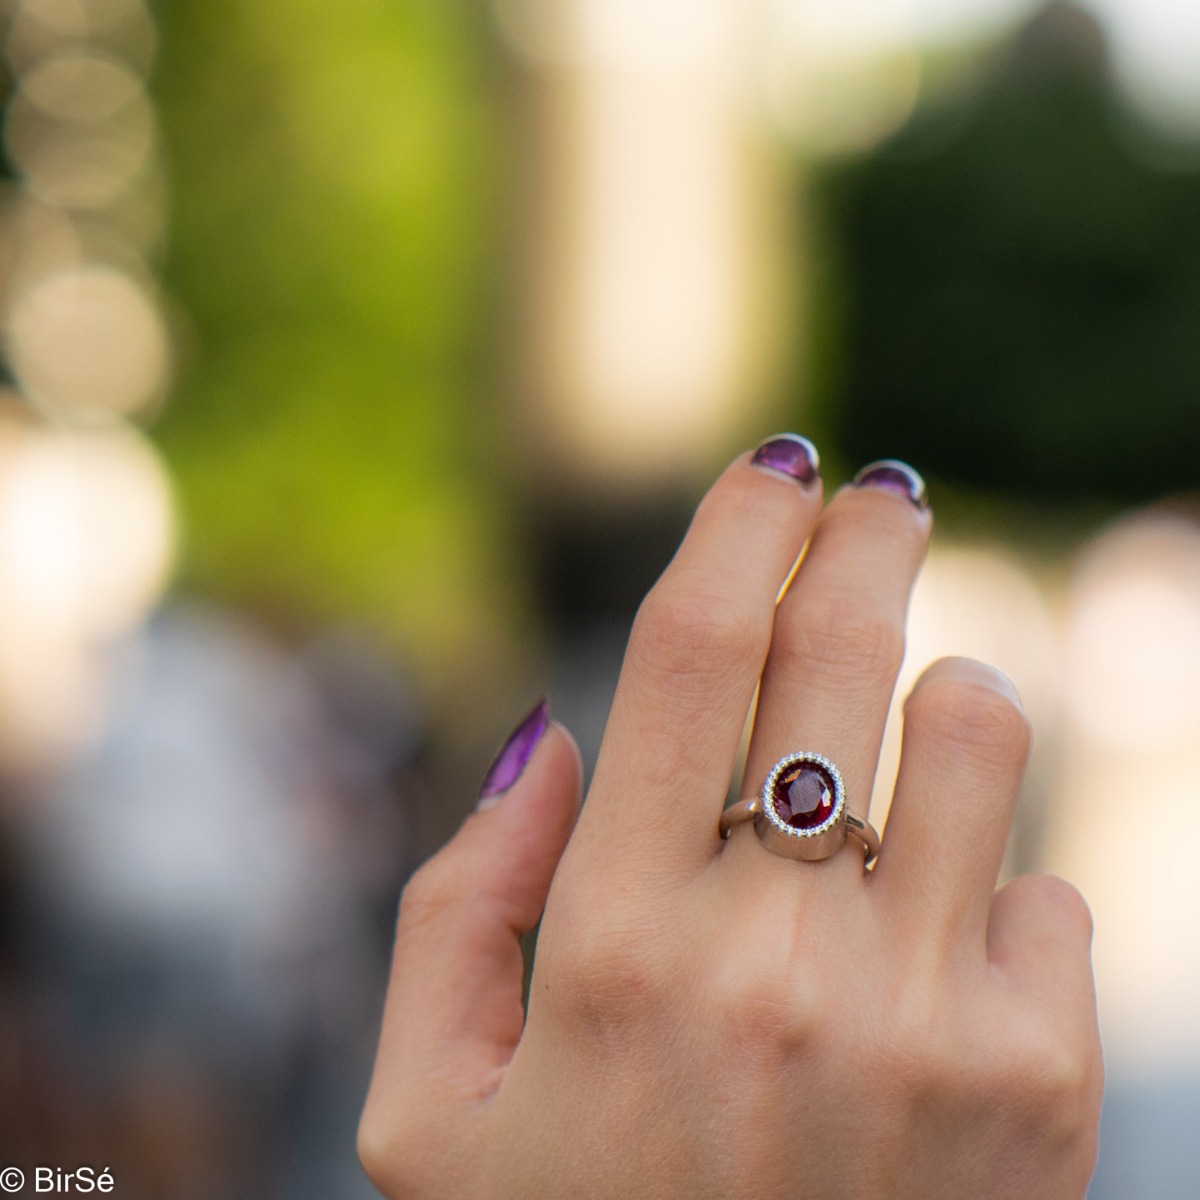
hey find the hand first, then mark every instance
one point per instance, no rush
(706, 1018)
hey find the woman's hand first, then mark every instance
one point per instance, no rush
(706, 1018)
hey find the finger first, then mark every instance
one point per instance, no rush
(695, 655)
(1040, 935)
(454, 1010)
(839, 638)
(1039, 939)
(966, 741)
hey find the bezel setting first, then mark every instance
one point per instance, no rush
(767, 795)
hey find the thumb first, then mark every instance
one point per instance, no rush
(454, 1009)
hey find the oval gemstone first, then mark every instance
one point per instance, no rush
(803, 796)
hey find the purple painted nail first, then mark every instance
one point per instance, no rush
(507, 766)
(893, 476)
(790, 454)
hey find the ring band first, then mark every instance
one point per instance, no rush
(801, 811)
(745, 810)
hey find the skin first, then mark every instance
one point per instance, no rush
(707, 1019)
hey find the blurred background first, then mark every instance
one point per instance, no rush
(361, 365)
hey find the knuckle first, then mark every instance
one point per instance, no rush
(1050, 1074)
(1054, 896)
(373, 1150)
(385, 1160)
(608, 977)
(844, 637)
(687, 631)
(974, 719)
(429, 893)
(1027, 1066)
(775, 1015)
(1032, 1070)
(406, 1146)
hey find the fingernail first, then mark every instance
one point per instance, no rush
(507, 766)
(892, 475)
(789, 454)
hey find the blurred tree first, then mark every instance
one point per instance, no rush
(1015, 293)
(335, 176)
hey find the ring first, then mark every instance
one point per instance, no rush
(801, 811)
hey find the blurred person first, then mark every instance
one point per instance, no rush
(746, 1012)
(201, 891)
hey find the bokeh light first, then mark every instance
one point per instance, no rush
(646, 283)
(662, 36)
(1126, 817)
(645, 261)
(88, 343)
(86, 518)
(37, 240)
(1133, 636)
(79, 85)
(841, 78)
(1157, 44)
(86, 543)
(84, 164)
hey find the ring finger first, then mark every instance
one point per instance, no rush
(838, 637)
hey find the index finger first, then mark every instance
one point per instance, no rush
(694, 659)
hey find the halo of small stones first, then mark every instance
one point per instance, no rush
(768, 791)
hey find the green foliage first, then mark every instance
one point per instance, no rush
(334, 173)
(1019, 292)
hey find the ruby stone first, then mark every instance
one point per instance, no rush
(803, 796)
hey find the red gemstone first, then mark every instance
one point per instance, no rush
(803, 796)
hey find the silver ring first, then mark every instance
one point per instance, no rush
(801, 811)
